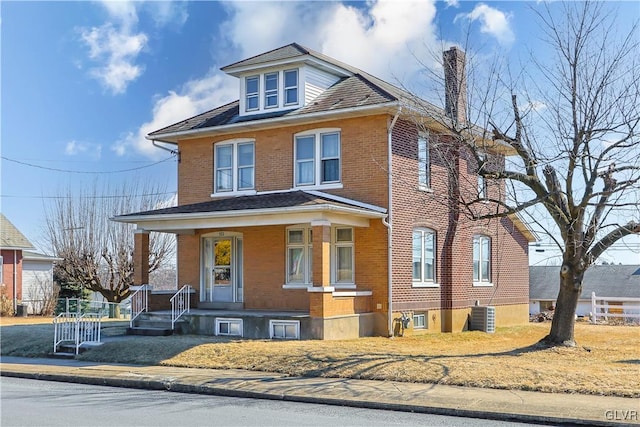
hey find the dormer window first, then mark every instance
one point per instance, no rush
(271, 90)
(290, 87)
(253, 93)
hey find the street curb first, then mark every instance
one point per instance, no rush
(179, 387)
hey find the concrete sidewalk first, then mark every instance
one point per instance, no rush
(427, 398)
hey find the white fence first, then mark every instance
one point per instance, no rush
(626, 308)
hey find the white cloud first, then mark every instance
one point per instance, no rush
(379, 37)
(452, 3)
(493, 22)
(74, 148)
(195, 97)
(116, 45)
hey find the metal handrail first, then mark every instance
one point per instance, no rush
(139, 303)
(76, 328)
(180, 304)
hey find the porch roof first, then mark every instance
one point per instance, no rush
(271, 208)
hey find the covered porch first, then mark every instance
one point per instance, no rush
(252, 258)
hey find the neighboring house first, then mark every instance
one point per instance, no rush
(12, 245)
(285, 204)
(617, 281)
(37, 282)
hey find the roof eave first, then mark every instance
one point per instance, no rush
(174, 137)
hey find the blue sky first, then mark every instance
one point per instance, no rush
(83, 82)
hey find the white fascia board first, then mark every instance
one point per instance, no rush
(346, 200)
(179, 223)
(302, 59)
(388, 107)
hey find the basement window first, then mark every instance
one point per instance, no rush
(284, 329)
(419, 321)
(229, 327)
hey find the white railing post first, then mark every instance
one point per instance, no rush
(593, 308)
(139, 303)
(180, 304)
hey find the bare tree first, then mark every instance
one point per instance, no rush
(98, 253)
(558, 141)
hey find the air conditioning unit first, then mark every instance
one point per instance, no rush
(483, 319)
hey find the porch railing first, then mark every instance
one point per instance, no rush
(139, 303)
(180, 304)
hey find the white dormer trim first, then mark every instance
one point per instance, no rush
(281, 105)
(298, 61)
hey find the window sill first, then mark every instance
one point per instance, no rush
(332, 186)
(482, 284)
(234, 193)
(425, 285)
(296, 286)
(427, 189)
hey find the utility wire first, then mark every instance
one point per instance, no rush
(84, 172)
(116, 196)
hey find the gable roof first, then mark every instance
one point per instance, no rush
(357, 90)
(11, 237)
(605, 280)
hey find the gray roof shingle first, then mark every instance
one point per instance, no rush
(359, 89)
(11, 237)
(605, 280)
(241, 203)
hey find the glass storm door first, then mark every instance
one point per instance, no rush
(222, 269)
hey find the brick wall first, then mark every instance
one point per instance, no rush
(430, 209)
(8, 272)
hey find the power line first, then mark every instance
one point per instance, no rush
(114, 196)
(84, 172)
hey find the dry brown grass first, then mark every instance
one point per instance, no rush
(607, 360)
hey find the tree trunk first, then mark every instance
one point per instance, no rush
(564, 315)
(114, 311)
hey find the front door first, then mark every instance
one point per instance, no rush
(222, 269)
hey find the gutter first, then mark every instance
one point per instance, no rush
(388, 222)
(275, 121)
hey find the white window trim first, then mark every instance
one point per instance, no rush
(273, 323)
(426, 160)
(334, 256)
(307, 246)
(246, 94)
(229, 320)
(482, 283)
(483, 185)
(284, 87)
(277, 90)
(422, 283)
(317, 160)
(234, 168)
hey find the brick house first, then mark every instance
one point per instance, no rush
(285, 204)
(12, 245)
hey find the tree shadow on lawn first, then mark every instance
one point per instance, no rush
(366, 365)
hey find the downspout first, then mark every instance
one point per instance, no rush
(388, 222)
(172, 151)
(15, 282)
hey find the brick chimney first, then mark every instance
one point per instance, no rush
(455, 82)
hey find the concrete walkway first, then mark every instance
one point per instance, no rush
(427, 398)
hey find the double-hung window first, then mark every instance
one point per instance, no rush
(252, 93)
(290, 87)
(317, 158)
(424, 166)
(424, 260)
(299, 256)
(271, 90)
(343, 255)
(234, 166)
(481, 260)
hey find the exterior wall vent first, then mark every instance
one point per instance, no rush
(483, 319)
